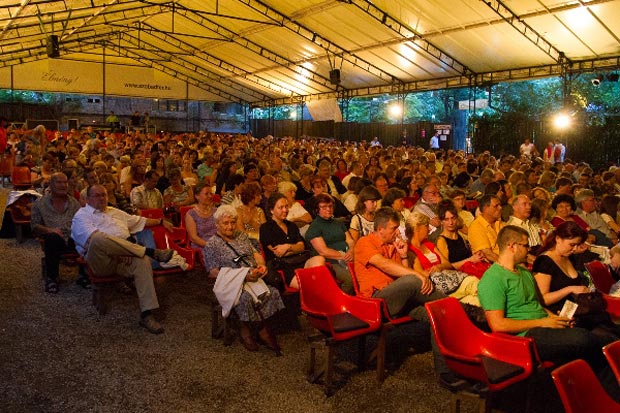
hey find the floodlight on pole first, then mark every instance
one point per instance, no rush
(562, 121)
(396, 110)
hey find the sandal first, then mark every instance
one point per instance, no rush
(51, 287)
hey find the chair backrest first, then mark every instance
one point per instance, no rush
(21, 177)
(612, 353)
(321, 299)
(183, 211)
(580, 390)
(601, 276)
(494, 359)
(155, 213)
(356, 284)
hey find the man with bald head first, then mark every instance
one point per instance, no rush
(102, 236)
(51, 221)
(521, 210)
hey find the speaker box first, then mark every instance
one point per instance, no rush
(53, 46)
(334, 76)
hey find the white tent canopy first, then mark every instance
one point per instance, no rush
(263, 52)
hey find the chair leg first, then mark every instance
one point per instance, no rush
(19, 234)
(381, 348)
(329, 370)
(43, 268)
(99, 294)
(310, 368)
(361, 353)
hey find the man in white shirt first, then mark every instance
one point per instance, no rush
(100, 234)
(521, 209)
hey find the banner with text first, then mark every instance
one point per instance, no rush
(85, 77)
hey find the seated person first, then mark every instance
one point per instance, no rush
(233, 191)
(177, 194)
(232, 248)
(147, 196)
(319, 186)
(330, 241)
(280, 238)
(508, 294)
(433, 265)
(598, 227)
(100, 234)
(383, 271)
(565, 206)
(558, 279)
(450, 243)
(483, 231)
(250, 216)
(362, 221)
(199, 221)
(297, 214)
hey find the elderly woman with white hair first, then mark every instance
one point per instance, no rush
(232, 248)
(297, 214)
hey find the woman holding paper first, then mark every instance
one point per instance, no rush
(558, 280)
(231, 249)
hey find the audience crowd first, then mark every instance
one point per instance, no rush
(406, 224)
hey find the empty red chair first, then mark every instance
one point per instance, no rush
(338, 316)
(471, 205)
(496, 361)
(580, 390)
(21, 178)
(601, 276)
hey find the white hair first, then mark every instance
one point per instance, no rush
(224, 211)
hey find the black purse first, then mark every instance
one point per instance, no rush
(589, 303)
(295, 260)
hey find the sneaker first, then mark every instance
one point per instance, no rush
(151, 324)
(163, 255)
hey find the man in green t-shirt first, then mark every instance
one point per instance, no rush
(509, 296)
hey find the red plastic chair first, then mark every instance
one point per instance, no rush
(165, 239)
(613, 306)
(612, 353)
(580, 390)
(471, 205)
(20, 212)
(601, 276)
(154, 213)
(410, 201)
(494, 360)
(21, 178)
(338, 316)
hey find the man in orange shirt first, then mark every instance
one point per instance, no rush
(383, 271)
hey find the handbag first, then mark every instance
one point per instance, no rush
(477, 269)
(448, 281)
(589, 303)
(295, 260)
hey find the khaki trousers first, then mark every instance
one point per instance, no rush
(109, 255)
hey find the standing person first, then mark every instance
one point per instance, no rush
(527, 149)
(508, 294)
(112, 121)
(434, 142)
(135, 120)
(51, 220)
(100, 234)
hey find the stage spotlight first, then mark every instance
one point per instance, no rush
(613, 77)
(596, 82)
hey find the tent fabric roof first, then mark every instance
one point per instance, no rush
(282, 51)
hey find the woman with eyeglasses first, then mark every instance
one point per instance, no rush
(330, 241)
(558, 279)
